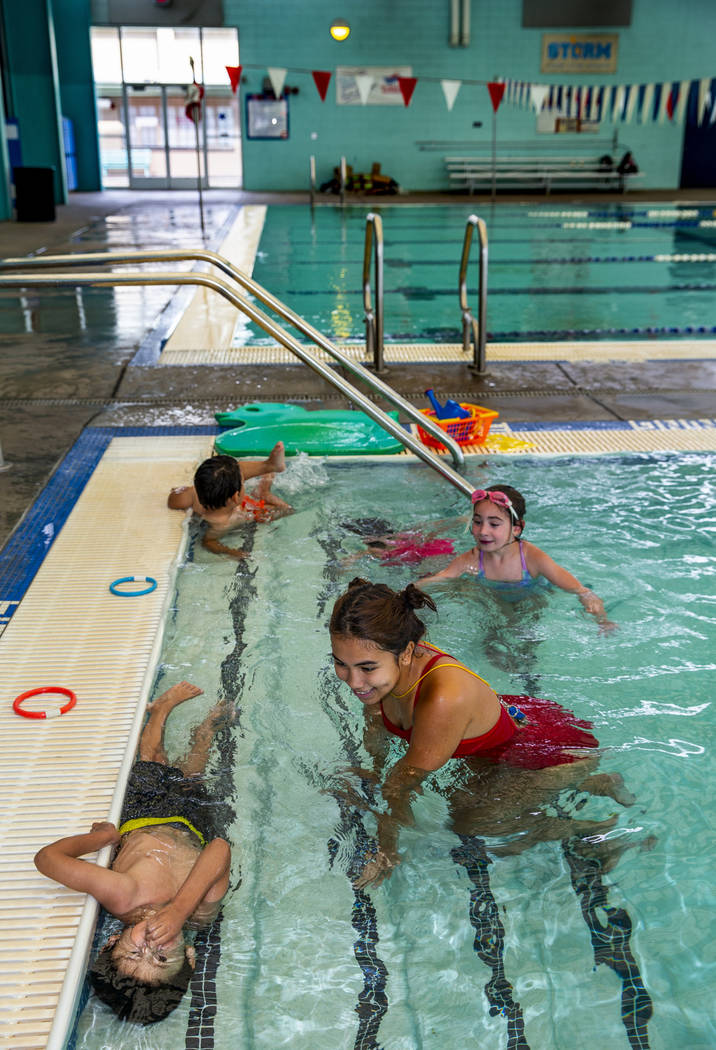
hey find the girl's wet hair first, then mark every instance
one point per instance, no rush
(217, 479)
(377, 613)
(368, 526)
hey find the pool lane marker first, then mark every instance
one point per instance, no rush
(490, 938)
(610, 942)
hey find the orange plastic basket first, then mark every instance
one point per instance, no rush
(469, 431)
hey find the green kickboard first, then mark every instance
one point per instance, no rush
(325, 432)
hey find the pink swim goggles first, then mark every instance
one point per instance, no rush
(500, 499)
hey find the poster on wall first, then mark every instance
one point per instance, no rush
(579, 52)
(370, 85)
(266, 118)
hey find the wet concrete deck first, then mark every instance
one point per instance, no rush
(66, 360)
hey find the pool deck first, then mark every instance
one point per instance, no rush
(551, 398)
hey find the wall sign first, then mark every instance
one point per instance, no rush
(579, 52)
(379, 82)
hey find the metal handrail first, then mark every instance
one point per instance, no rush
(312, 178)
(471, 327)
(261, 293)
(23, 280)
(374, 317)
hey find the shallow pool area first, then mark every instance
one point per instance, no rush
(299, 958)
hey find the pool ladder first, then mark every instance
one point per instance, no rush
(29, 277)
(474, 330)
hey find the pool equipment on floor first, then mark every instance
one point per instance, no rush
(256, 427)
(450, 410)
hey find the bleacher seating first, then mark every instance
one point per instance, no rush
(526, 172)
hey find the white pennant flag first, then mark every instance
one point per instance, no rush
(450, 90)
(278, 79)
(646, 104)
(538, 93)
(632, 99)
(619, 102)
(364, 82)
(683, 98)
(594, 107)
(704, 103)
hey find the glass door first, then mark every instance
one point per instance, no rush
(146, 136)
(182, 142)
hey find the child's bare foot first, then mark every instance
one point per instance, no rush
(175, 695)
(277, 458)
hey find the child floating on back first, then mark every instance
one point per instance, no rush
(502, 558)
(218, 496)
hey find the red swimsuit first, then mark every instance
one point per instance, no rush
(538, 742)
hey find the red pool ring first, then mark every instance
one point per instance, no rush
(18, 701)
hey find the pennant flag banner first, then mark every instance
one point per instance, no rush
(496, 92)
(538, 93)
(278, 79)
(234, 76)
(450, 90)
(364, 82)
(321, 79)
(407, 87)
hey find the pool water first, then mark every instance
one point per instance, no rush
(554, 273)
(300, 959)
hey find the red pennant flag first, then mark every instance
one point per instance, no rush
(234, 76)
(670, 103)
(496, 92)
(407, 87)
(321, 80)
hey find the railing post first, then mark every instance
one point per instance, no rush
(473, 331)
(343, 180)
(312, 178)
(374, 317)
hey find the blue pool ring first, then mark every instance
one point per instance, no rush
(133, 579)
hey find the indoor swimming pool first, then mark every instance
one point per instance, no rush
(556, 271)
(301, 959)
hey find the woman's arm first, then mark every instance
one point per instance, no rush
(440, 723)
(540, 564)
(204, 886)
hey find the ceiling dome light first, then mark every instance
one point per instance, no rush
(340, 29)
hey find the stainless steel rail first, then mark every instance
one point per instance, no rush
(474, 331)
(24, 280)
(374, 317)
(44, 262)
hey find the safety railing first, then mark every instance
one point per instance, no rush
(374, 313)
(30, 279)
(44, 262)
(474, 331)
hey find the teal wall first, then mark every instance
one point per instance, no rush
(664, 41)
(5, 205)
(74, 61)
(33, 86)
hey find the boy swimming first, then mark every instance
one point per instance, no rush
(171, 868)
(218, 496)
